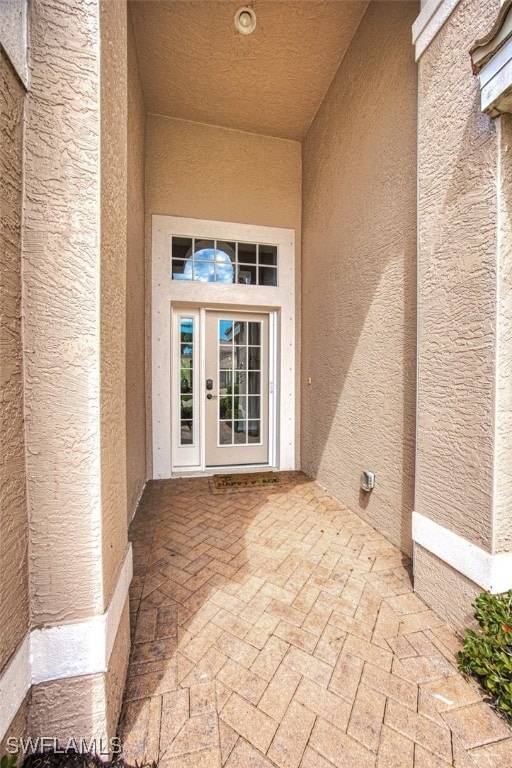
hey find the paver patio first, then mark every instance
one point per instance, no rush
(273, 627)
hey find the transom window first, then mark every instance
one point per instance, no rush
(218, 261)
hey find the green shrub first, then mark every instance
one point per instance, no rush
(488, 654)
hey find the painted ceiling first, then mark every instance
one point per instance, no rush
(194, 65)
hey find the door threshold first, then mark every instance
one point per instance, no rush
(210, 471)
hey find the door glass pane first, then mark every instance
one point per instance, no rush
(186, 331)
(241, 406)
(267, 255)
(254, 333)
(225, 358)
(186, 382)
(253, 407)
(247, 274)
(225, 382)
(240, 358)
(181, 250)
(225, 331)
(224, 262)
(186, 435)
(241, 382)
(240, 333)
(186, 407)
(254, 358)
(254, 431)
(240, 432)
(239, 375)
(267, 276)
(226, 408)
(254, 383)
(187, 355)
(226, 433)
(246, 253)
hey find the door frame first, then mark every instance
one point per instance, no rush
(180, 468)
(278, 301)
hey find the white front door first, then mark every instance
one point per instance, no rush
(221, 386)
(236, 389)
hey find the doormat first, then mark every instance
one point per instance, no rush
(246, 481)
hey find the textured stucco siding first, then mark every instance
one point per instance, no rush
(502, 538)
(87, 706)
(74, 706)
(444, 589)
(13, 505)
(116, 676)
(205, 172)
(18, 728)
(135, 291)
(113, 43)
(457, 283)
(195, 66)
(13, 34)
(61, 312)
(358, 272)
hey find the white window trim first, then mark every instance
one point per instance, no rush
(432, 18)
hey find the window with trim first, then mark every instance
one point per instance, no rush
(219, 261)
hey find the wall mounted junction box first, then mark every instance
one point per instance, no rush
(367, 480)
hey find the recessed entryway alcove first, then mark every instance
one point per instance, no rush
(244, 134)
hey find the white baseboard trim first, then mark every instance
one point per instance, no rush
(432, 18)
(68, 650)
(492, 573)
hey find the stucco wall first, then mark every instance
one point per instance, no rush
(61, 298)
(83, 707)
(13, 35)
(358, 271)
(113, 46)
(205, 172)
(502, 528)
(457, 283)
(70, 707)
(116, 676)
(18, 728)
(449, 593)
(135, 342)
(13, 506)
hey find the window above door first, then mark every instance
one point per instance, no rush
(219, 261)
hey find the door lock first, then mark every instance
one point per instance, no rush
(209, 383)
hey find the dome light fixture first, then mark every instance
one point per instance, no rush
(245, 20)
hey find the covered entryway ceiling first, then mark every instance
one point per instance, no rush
(195, 66)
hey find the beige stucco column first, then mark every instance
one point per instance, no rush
(462, 523)
(74, 262)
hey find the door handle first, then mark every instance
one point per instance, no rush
(209, 396)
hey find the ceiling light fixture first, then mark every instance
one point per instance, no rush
(245, 20)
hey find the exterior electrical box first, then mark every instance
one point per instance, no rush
(367, 480)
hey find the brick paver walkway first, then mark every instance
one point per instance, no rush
(275, 628)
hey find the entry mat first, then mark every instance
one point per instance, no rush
(251, 481)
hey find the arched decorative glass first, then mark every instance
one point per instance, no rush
(216, 261)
